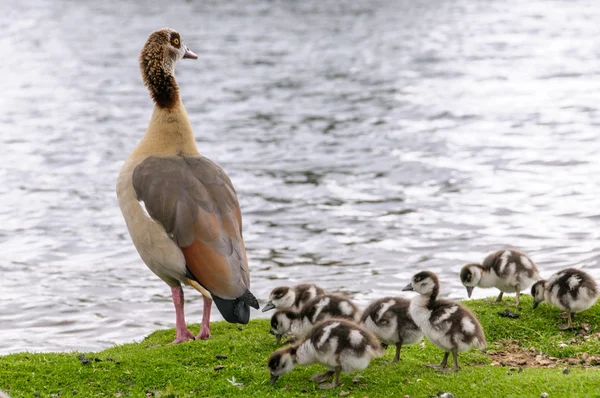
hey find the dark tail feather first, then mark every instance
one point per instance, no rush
(237, 310)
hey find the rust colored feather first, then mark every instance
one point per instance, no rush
(211, 269)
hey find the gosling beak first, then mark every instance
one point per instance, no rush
(408, 288)
(189, 54)
(535, 304)
(469, 290)
(268, 307)
(278, 338)
(274, 379)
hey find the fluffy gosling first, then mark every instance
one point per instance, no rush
(390, 321)
(448, 325)
(508, 270)
(292, 297)
(571, 290)
(298, 324)
(340, 345)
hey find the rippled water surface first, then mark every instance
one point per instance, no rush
(366, 139)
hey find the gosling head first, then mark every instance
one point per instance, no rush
(281, 362)
(280, 297)
(162, 50)
(281, 323)
(425, 283)
(470, 275)
(537, 291)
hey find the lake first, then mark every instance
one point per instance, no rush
(367, 140)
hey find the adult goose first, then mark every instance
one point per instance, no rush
(180, 208)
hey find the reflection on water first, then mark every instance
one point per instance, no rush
(366, 140)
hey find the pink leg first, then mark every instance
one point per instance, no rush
(205, 330)
(183, 334)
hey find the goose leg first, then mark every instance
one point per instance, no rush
(183, 334)
(336, 380)
(442, 364)
(456, 368)
(321, 377)
(205, 329)
(499, 298)
(517, 300)
(569, 324)
(398, 348)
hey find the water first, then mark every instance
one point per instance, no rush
(366, 140)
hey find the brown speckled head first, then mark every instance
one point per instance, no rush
(162, 50)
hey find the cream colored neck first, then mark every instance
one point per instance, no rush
(169, 134)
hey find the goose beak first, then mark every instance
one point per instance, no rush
(469, 290)
(408, 288)
(274, 379)
(535, 304)
(189, 54)
(268, 306)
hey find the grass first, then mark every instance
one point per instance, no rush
(154, 367)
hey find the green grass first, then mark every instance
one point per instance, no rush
(155, 367)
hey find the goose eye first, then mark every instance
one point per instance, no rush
(176, 41)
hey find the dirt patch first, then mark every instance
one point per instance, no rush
(513, 354)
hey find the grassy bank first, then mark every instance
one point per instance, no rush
(525, 357)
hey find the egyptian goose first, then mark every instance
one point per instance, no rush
(340, 345)
(389, 320)
(448, 325)
(298, 324)
(292, 297)
(571, 290)
(508, 270)
(180, 208)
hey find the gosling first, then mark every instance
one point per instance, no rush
(508, 270)
(571, 290)
(390, 321)
(292, 297)
(298, 324)
(448, 325)
(340, 345)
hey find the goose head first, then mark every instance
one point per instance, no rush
(162, 50)
(281, 362)
(537, 291)
(425, 283)
(280, 297)
(281, 323)
(470, 275)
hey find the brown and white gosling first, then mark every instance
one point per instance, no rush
(340, 345)
(292, 297)
(390, 321)
(448, 325)
(571, 290)
(320, 308)
(508, 270)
